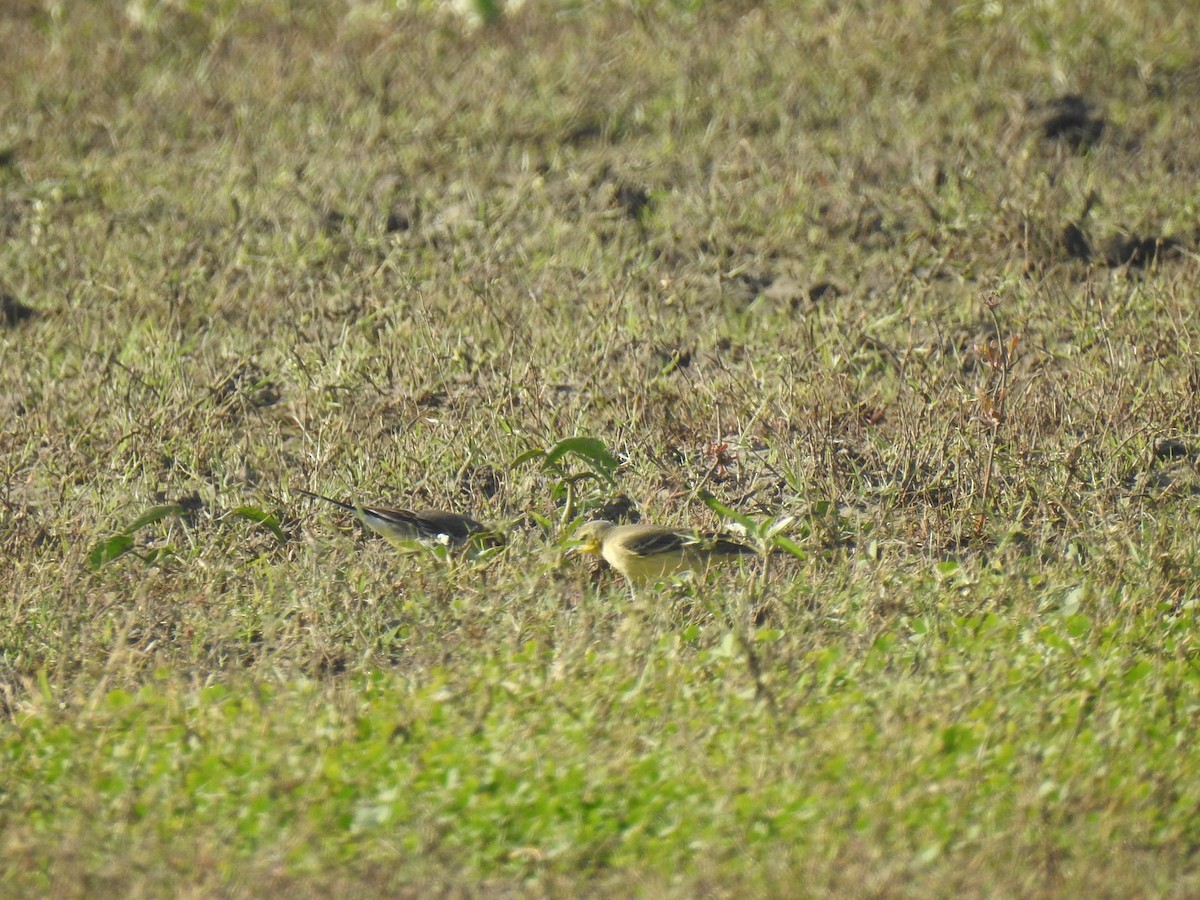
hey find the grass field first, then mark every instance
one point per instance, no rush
(913, 282)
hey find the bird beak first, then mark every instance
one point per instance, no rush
(582, 547)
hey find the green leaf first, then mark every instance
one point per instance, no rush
(1078, 626)
(1138, 671)
(725, 512)
(488, 11)
(957, 739)
(527, 456)
(591, 449)
(214, 693)
(108, 550)
(788, 545)
(118, 699)
(727, 648)
(260, 517)
(154, 514)
(545, 522)
(600, 462)
(412, 546)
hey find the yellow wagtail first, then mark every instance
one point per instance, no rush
(645, 554)
(401, 527)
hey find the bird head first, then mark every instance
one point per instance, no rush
(590, 536)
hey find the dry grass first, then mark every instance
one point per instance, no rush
(835, 263)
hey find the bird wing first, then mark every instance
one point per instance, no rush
(400, 519)
(667, 541)
(424, 524)
(723, 546)
(652, 543)
(433, 523)
(416, 525)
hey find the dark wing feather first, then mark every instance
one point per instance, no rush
(674, 541)
(402, 518)
(658, 542)
(428, 524)
(432, 523)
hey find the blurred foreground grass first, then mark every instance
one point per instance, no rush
(868, 266)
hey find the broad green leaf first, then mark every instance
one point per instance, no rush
(788, 545)
(527, 456)
(488, 11)
(1138, 671)
(1078, 626)
(118, 699)
(725, 512)
(957, 739)
(591, 449)
(260, 517)
(108, 550)
(154, 514)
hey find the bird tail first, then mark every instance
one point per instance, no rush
(339, 503)
(726, 547)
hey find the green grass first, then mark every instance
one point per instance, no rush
(788, 259)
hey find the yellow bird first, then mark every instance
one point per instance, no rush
(402, 527)
(645, 554)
